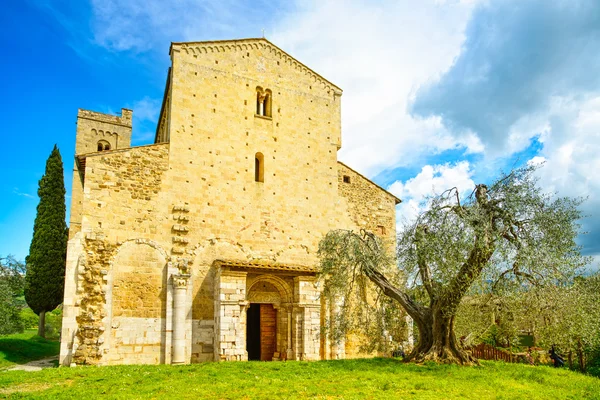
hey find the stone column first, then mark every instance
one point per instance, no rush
(180, 283)
(261, 104)
(289, 352)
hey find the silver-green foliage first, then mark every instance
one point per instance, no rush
(500, 237)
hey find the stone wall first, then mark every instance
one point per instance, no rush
(137, 291)
(120, 199)
(372, 208)
(151, 212)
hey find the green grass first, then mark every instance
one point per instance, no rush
(346, 379)
(21, 348)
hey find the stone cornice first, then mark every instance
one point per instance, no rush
(247, 44)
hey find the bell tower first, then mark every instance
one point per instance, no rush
(95, 132)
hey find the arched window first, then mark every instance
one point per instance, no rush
(263, 102)
(103, 145)
(259, 167)
(267, 103)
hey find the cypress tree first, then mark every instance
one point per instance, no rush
(44, 282)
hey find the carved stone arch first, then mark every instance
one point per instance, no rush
(137, 285)
(284, 290)
(94, 131)
(148, 242)
(213, 248)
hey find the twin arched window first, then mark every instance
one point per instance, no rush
(264, 100)
(103, 145)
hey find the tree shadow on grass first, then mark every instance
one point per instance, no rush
(21, 351)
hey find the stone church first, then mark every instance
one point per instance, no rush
(203, 245)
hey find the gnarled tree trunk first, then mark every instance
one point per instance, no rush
(437, 341)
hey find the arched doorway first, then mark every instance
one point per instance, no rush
(264, 330)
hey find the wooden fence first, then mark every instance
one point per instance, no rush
(486, 352)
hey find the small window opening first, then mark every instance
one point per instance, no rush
(381, 230)
(346, 179)
(103, 145)
(259, 167)
(263, 102)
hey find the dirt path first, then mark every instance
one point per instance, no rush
(36, 365)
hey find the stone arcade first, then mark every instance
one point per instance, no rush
(203, 245)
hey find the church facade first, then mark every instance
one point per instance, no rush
(203, 246)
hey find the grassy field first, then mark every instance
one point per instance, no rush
(21, 348)
(347, 379)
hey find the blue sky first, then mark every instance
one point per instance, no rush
(437, 93)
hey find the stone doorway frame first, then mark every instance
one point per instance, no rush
(282, 302)
(298, 310)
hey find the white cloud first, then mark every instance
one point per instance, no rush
(146, 109)
(379, 53)
(18, 192)
(143, 25)
(432, 180)
(145, 116)
(571, 154)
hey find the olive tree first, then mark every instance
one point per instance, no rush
(569, 317)
(507, 231)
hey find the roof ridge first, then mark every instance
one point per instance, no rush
(398, 200)
(238, 44)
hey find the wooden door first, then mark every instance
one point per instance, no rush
(268, 331)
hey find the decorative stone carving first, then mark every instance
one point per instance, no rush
(180, 228)
(264, 297)
(180, 281)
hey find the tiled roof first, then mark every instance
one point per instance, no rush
(261, 264)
